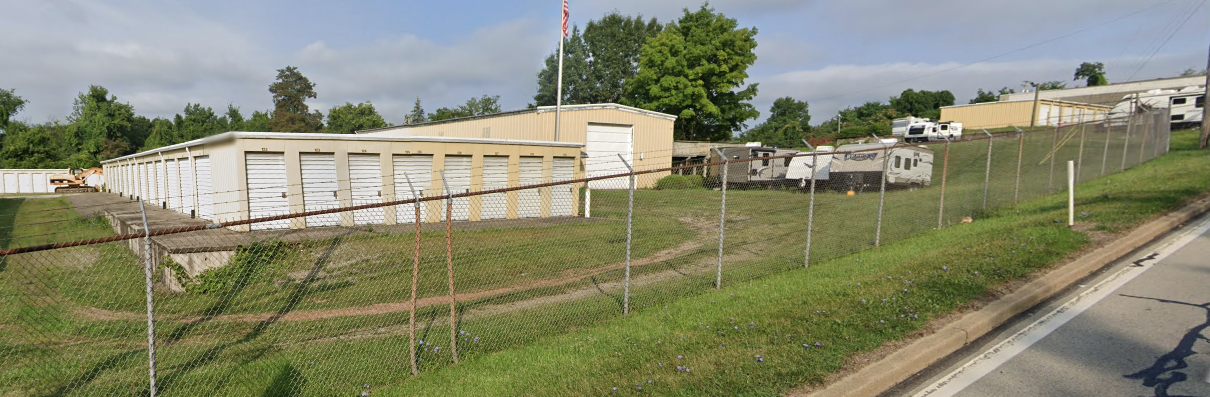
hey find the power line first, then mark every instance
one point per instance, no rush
(1161, 46)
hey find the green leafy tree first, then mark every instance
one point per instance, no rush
(989, 96)
(473, 107)
(925, 104)
(1051, 85)
(10, 104)
(788, 123)
(576, 85)
(233, 118)
(96, 117)
(258, 122)
(198, 122)
(1092, 72)
(163, 133)
(417, 114)
(41, 146)
(347, 118)
(140, 129)
(290, 111)
(695, 69)
(1190, 72)
(599, 63)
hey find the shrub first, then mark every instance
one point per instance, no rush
(679, 182)
(248, 265)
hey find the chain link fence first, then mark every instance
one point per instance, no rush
(96, 305)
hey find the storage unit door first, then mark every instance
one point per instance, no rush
(187, 187)
(40, 185)
(604, 143)
(153, 183)
(205, 195)
(365, 179)
(564, 169)
(161, 173)
(458, 175)
(10, 183)
(495, 176)
(418, 169)
(529, 201)
(174, 186)
(267, 189)
(26, 183)
(319, 187)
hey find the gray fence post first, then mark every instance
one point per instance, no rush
(944, 173)
(1105, 153)
(449, 264)
(806, 253)
(1020, 155)
(1147, 122)
(629, 220)
(1080, 154)
(722, 219)
(987, 173)
(1054, 154)
(150, 301)
(415, 277)
(1126, 145)
(881, 194)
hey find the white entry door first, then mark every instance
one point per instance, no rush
(495, 176)
(320, 187)
(605, 142)
(418, 169)
(267, 189)
(529, 201)
(365, 179)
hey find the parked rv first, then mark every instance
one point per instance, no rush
(859, 167)
(914, 129)
(1185, 105)
(771, 171)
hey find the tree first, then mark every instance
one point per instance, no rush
(695, 69)
(925, 104)
(473, 107)
(42, 146)
(347, 118)
(259, 122)
(1190, 72)
(163, 133)
(417, 114)
(10, 104)
(1092, 72)
(234, 119)
(989, 96)
(290, 111)
(788, 123)
(96, 117)
(1051, 85)
(597, 64)
(198, 122)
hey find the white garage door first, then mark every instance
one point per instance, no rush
(495, 176)
(319, 187)
(205, 194)
(40, 185)
(187, 187)
(560, 196)
(26, 183)
(458, 175)
(365, 179)
(153, 183)
(161, 181)
(174, 186)
(267, 189)
(529, 201)
(10, 183)
(141, 182)
(605, 143)
(418, 169)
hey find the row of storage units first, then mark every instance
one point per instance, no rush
(28, 181)
(240, 175)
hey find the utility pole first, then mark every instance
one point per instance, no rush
(1033, 117)
(1205, 110)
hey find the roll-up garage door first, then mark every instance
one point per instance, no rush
(605, 142)
(153, 183)
(267, 189)
(40, 185)
(187, 186)
(365, 180)
(319, 187)
(495, 176)
(26, 182)
(10, 183)
(458, 175)
(174, 185)
(148, 186)
(529, 201)
(161, 181)
(560, 195)
(417, 168)
(205, 194)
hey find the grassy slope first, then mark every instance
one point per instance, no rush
(776, 315)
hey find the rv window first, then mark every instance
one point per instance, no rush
(915, 162)
(907, 165)
(1178, 101)
(898, 162)
(1178, 117)
(787, 162)
(765, 162)
(1201, 102)
(945, 127)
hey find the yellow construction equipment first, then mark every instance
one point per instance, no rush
(77, 183)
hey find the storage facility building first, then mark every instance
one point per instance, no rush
(246, 175)
(25, 181)
(1018, 113)
(641, 137)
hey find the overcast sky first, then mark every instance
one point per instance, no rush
(160, 55)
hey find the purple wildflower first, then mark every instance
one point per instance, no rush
(678, 357)
(476, 339)
(806, 345)
(817, 344)
(945, 268)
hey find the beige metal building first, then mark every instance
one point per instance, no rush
(1017, 113)
(641, 137)
(243, 175)
(24, 181)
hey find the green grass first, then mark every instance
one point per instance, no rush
(575, 345)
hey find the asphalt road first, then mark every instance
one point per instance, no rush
(1139, 328)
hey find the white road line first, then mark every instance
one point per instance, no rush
(999, 354)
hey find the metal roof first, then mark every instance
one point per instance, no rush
(536, 110)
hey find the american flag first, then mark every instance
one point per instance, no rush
(564, 18)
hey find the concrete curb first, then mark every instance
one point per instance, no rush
(896, 367)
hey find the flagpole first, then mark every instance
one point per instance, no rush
(559, 90)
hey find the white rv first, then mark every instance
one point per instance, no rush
(914, 129)
(860, 166)
(1185, 105)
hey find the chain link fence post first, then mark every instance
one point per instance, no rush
(150, 301)
(1147, 122)
(415, 278)
(1126, 145)
(449, 264)
(881, 193)
(629, 220)
(1054, 153)
(1020, 156)
(1080, 154)
(944, 173)
(806, 253)
(987, 173)
(722, 218)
